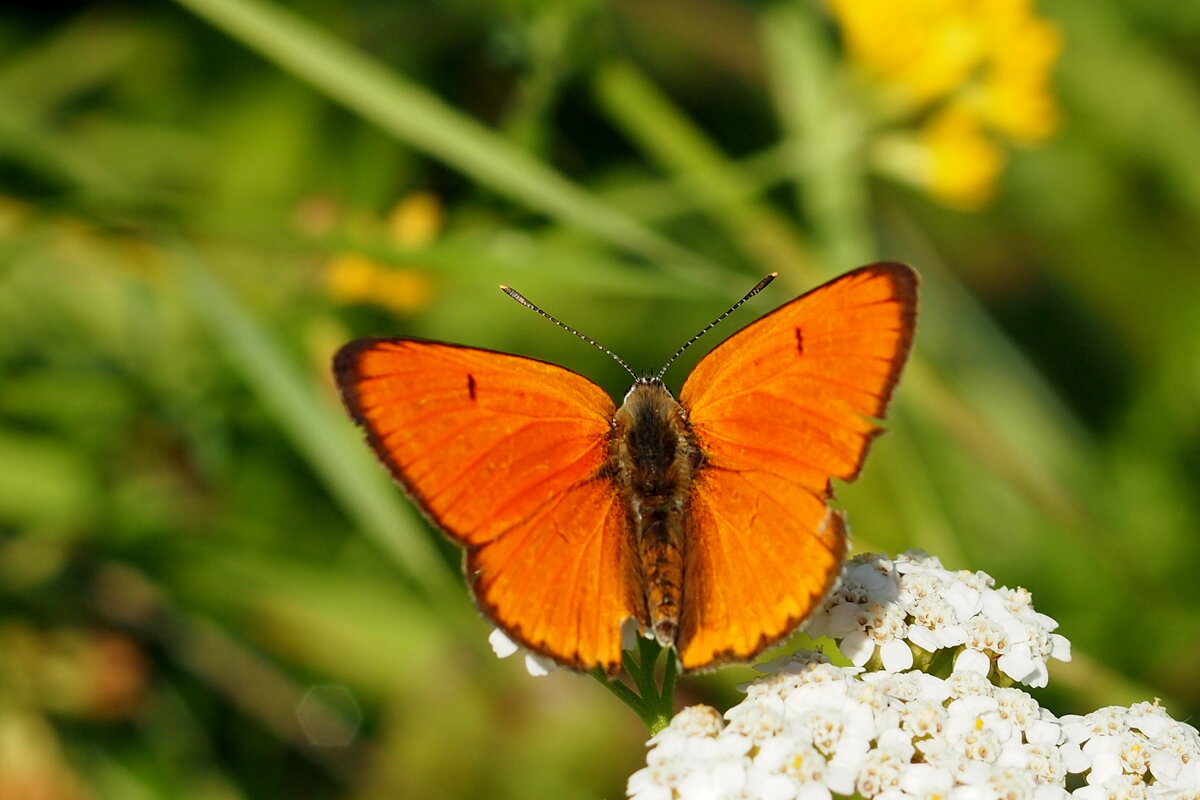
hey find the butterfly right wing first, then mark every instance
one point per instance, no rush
(508, 456)
(778, 409)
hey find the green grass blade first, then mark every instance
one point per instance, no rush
(825, 133)
(668, 136)
(420, 118)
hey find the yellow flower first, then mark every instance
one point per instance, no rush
(413, 223)
(350, 277)
(416, 220)
(1017, 97)
(917, 50)
(963, 70)
(950, 156)
(963, 162)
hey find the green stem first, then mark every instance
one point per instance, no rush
(643, 671)
(942, 663)
(669, 677)
(666, 706)
(625, 695)
(719, 185)
(549, 34)
(827, 135)
(652, 704)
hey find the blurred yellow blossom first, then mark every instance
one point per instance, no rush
(32, 762)
(1017, 97)
(918, 50)
(414, 222)
(15, 215)
(951, 156)
(962, 163)
(966, 72)
(355, 278)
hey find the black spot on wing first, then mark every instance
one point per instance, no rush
(471, 385)
(799, 342)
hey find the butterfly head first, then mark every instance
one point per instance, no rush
(646, 385)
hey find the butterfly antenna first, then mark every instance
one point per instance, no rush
(520, 298)
(758, 287)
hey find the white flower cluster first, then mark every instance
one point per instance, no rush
(812, 730)
(1133, 752)
(881, 729)
(889, 610)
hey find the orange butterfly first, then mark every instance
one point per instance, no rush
(704, 520)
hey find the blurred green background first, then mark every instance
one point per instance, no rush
(208, 588)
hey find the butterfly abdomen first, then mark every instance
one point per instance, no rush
(654, 457)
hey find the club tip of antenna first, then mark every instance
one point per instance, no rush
(504, 287)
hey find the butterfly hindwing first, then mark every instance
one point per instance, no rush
(778, 409)
(760, 557)
(507, 455)
(565, 578)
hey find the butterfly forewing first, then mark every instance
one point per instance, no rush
(778, 409)
(506, 454)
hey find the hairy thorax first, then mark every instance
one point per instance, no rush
(654, 459)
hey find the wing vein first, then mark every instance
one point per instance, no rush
(786, 372)
(837, 447)
(533, 512)
(767, 456)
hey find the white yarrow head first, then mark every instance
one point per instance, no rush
(885, 727)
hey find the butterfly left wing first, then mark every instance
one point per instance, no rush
(778, 409)
(507, 455)
(563, 581)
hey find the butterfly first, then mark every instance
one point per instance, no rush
(704, 520)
